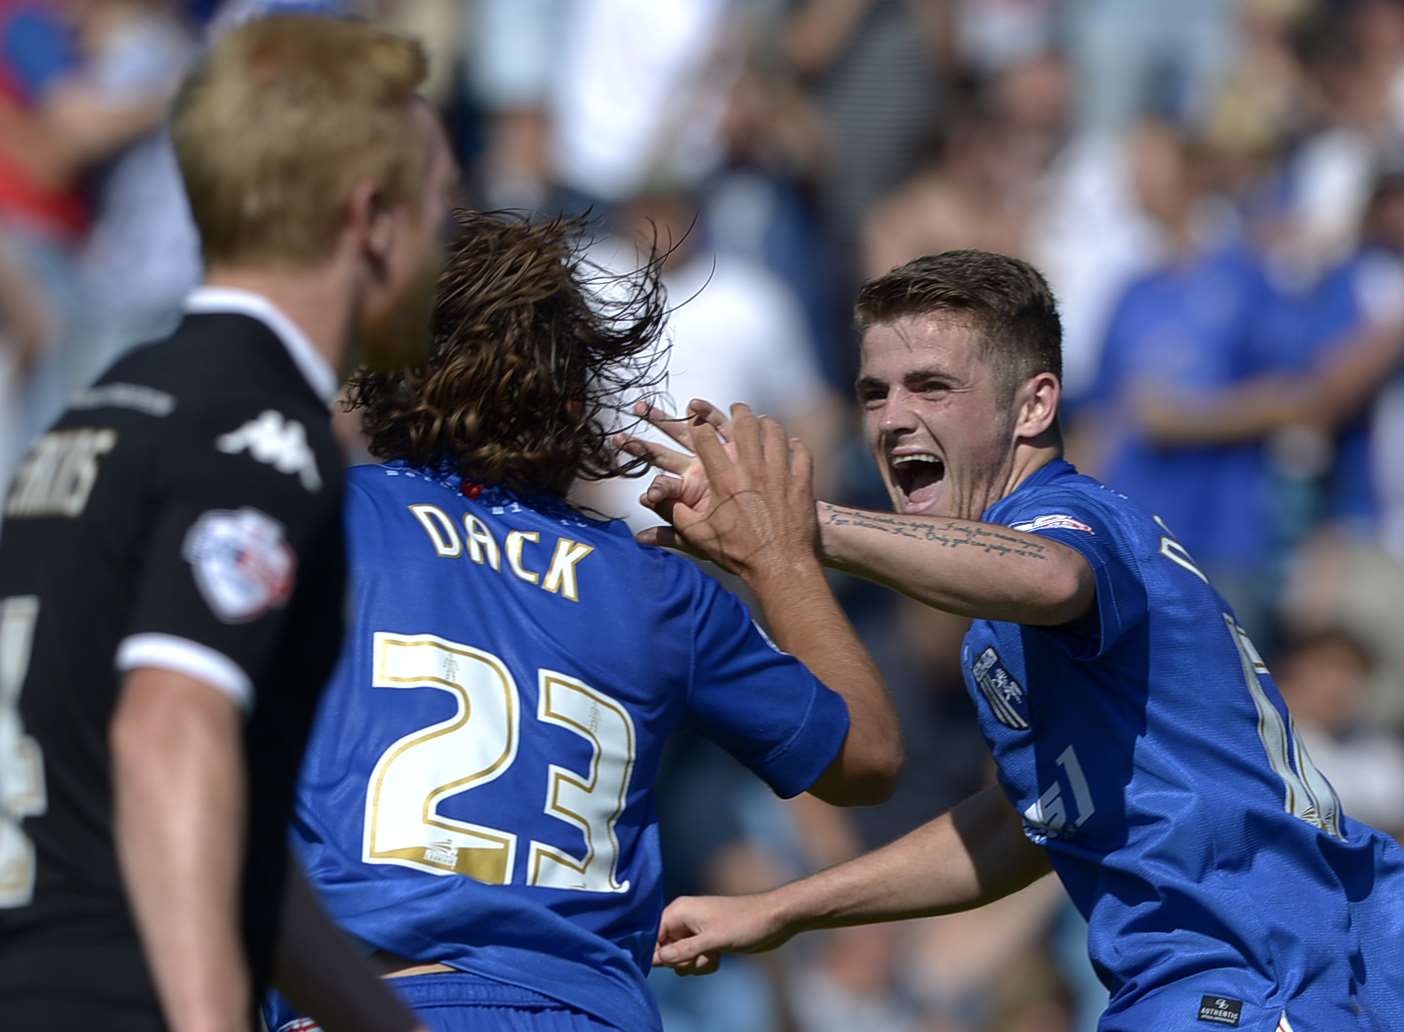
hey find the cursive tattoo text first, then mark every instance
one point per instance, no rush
(987, 538)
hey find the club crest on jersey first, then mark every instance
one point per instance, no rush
(1004, 694)
(243, 566)
(1053, 521)
(278, 442)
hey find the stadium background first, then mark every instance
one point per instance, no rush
(1214, 189)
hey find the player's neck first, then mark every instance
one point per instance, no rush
(1029, 458)
(317, 300)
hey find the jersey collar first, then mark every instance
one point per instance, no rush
(315, 369)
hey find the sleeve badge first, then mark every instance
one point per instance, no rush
(242, 564)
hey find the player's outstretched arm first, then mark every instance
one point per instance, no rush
(178, 783)
(972, 855)
(966, 567)
(322, 972)
(757, 519)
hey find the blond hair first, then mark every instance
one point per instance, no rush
(280, 121)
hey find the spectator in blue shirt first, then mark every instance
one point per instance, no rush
(1320, 353)
(1182, 331)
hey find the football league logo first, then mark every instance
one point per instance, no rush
(242, 565)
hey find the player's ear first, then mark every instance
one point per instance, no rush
(373, 224)
(1037, 405)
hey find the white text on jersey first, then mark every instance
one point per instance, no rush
(59, 473)
(478, 543)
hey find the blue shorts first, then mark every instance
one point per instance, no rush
(465, 1003)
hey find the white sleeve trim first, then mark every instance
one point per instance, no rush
(183, 656)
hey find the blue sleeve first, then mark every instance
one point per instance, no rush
(38, 51)
(1094, 534)
(758, 703)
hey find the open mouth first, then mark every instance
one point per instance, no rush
(919, 477)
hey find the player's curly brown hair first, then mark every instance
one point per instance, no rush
(535, 346)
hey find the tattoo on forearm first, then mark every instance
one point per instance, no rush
(946, 533)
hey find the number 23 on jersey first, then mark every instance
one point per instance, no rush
(477, 745)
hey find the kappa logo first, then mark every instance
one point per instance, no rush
(1004, 694)
(243, 566)
(1220, 1010)
(277, 442)
(1053, 521)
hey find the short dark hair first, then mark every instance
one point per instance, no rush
(1007, 301)
(533, 346)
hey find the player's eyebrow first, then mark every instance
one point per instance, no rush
(868, 384)
(926, 374)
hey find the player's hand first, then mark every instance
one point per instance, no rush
(749, 507)
(697, 930)
(683, 478)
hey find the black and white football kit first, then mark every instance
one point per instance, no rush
(184, 513)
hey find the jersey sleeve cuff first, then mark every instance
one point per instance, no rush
(183, 656)
(1114, 589)
(798, 762)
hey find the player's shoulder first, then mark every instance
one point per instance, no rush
(230, 417)
(654, 579)
(215, 362)
(394, 500)
(1059, 497)
(1056, 481)
(370, 482)
(399, 484)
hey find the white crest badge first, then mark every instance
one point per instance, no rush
(243, 566)
(278, 442)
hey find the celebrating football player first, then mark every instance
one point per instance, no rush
(1144, 753)
(477, 801)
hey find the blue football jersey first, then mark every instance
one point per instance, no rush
(1154, 759)
(478, 789)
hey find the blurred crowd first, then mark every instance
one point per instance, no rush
(1214, 188)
